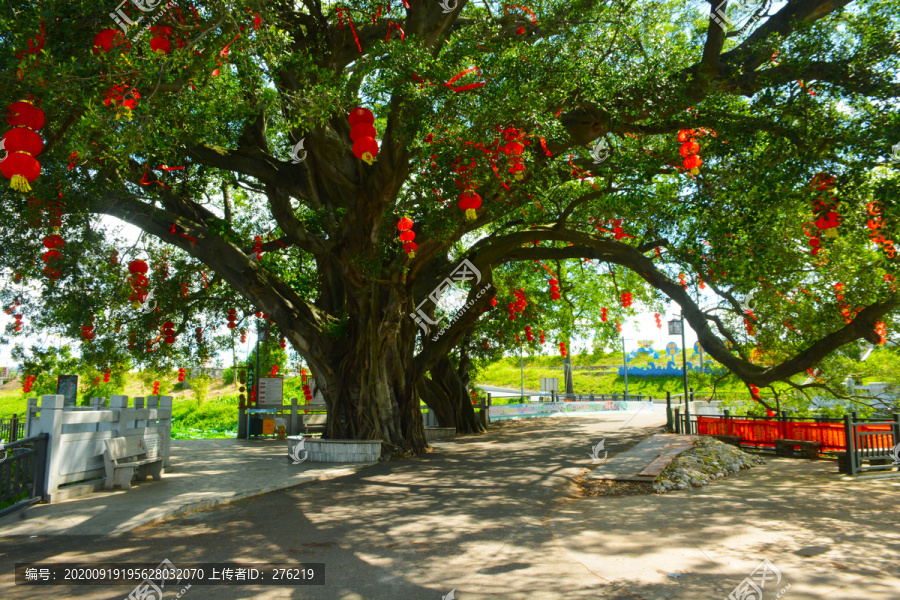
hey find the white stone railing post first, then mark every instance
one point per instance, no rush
(139, 404)
(50, 422)
(165, 421)
(119, 404)
(31, 420)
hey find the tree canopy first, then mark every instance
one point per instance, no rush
(632, 151)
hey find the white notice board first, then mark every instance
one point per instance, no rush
(271, 391)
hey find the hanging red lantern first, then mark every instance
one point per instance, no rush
(21, 169)
(232, 318)
(404, 223)
(692, 163)
(685, 135)
(360, 115)
(365, 149)
(469, 201)
(24, 114)
(161, 45)
(54, 241)
(138, 266)
(541, 334)
(626, 300)
(108, 39)
(23, 139)
(243, 336)
(562, 349)
(829, 222)
(689, 148)
(658, 321)
(363, 130)
(408, 235)
(603, 315)
(410, 249)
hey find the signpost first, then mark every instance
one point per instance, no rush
(270, 392)
(67, 385)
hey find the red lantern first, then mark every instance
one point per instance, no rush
(513, 148)
(51, 255)
(360, 115)
(410, 248)
(365, 149)
(685, 135)
(21, 169)
(692, 163)
(25, 114)
(404, 224)
(23, 139)
(54, 241)
(689, 148)
(407, 236)
(107, 39)
(138, 266)
(469, 201)
(361, 130)
(161, 45)
(603, 315)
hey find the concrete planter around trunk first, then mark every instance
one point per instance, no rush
(439, 433)
(341, 451)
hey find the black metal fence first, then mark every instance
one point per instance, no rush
(870, 444)
(22, 470)
(12, 429)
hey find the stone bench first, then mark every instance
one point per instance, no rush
(439, 433)
(339, 451)
(128, 457)
(808, 449)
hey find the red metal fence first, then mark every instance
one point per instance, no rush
(764, 433)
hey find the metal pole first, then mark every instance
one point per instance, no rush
(522, 371)
(625, 362)
(684, 360)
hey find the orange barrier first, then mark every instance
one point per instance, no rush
(764, 432)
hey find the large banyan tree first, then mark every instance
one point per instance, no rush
(555, 160)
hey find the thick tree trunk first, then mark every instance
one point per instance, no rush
(365, 365)
(449, 399)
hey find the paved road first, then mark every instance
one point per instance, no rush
(496, 517)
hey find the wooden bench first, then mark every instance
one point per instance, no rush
(808, 449)
(314, 422)
(129, 457)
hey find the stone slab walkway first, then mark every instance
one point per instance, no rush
(645, 461)
(203, 473)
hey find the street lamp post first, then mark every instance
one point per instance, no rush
(676, 327)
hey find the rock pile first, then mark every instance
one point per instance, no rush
(708, 460)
